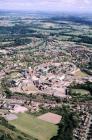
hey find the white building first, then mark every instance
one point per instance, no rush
(18, 109)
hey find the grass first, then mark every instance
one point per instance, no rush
(80, 91)
(34, 127)
(15, 75)
(80, 74)
(13, 135)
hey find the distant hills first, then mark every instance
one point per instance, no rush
(82, 18)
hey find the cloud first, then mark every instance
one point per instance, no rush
(47, 5)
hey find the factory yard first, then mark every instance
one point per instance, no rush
(26, 86)
(48, 78)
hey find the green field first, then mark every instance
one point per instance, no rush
(80, 91)
(35, 127)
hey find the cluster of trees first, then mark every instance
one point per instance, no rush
(69, 122)
(5, 89)
(85, 86)
(78, 97)
(88, 71)
(6, 124)
(3, 134)
(21, 41)
(81, 39)
(88, 68)
(9, 132)
(17, 29)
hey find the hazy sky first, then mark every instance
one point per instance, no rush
(47, 5)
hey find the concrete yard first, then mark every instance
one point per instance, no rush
(10, 117)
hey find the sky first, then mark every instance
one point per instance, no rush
(47, 5)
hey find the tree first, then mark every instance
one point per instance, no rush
(68, 123)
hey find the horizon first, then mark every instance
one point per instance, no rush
(76, 6)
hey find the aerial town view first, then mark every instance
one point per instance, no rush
(46, 70)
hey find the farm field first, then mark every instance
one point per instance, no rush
(35, 127)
